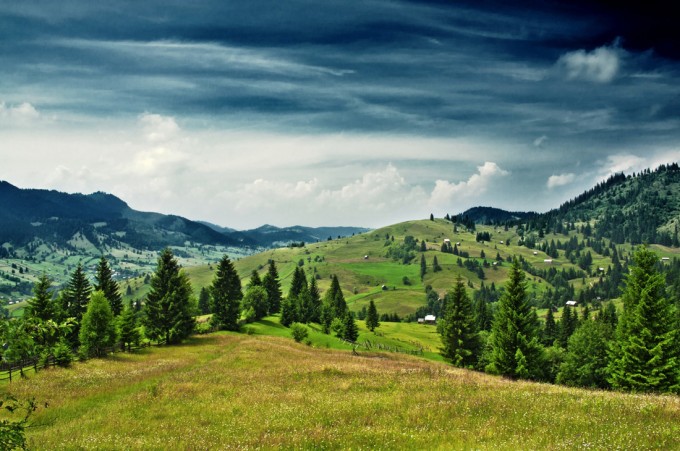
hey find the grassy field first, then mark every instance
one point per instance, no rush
(229, 390)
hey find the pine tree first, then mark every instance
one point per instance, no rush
(482, 315)
(335, 299)
(585, 364)
(226, 295)
(42, 306)
(514, 333)
(98, 329)
(423, 267)
(423, 246)
(460, 338)
(372, 316)
(567, 326)
(255, 280)
(288, 312)
(273, 286)
(74, 299)
(255, 303)
(168, 310)
(435, 265)
(129, 334)
(108, 286)
(315, 301)
(204, 302)
(351, 331)
(644, 355)
(305, 306)
(550, 329)
(296, 285)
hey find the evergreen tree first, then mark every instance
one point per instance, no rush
(255, 280)
(326, 318)
(288, 312)
(372, 316)
(255, 303)
(644, 356)
(550, 329)
(435, 265)
(98, 329)
(204, 302)
(74, 299)
(423, 267)
(315, 301)
(272, 285)
(335, 299)
(168, 308)
(460, 338)
(567, 326)
(41, 306)
(305, 306)
(423, 246)
(482, 315)
(129, 334)
(351, 331)
(226, 296)
(298, 283)
(585, 364)
(108, 286)
(515, 350)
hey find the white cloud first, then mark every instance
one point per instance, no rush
(622, 163)
(445, 192)
(24, 112)
(538, 142)
(600, 65)
(560, 180)
(158, 128)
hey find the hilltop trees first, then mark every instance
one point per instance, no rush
(74, 301)
(108, 286)
(168, 310)
(41, 306)
(515, 350)
(226, 296)
(644, 355)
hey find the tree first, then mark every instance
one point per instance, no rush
(168, 309)
(288, 312)
(644, 355)
(567, 326)
(585, 364)
(372, 316)
(98, 330)
(515, 351)
(129, 334)
(204, 301)
(460, 337)
(106, 284)
(42, 306)
(273, 286)
(299, 332)
(226, 296)
(423, 267)
(255, 280)
(255, 303)
(298, 283)
(550, 329)
(315, 299)
(335, 299)
(350, 330)
(435, 265)
(74, 299)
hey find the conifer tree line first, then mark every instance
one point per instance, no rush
(637, 349)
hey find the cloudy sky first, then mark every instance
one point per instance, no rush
(334, 112)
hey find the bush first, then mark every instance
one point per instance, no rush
(338, 327)
(203, 328)
(63, 356)
(299, 332)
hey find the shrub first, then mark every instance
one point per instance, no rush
(63, 356)
(299, 332)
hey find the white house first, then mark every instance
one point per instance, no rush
(548, 261)
(571, 304)
(430, 319)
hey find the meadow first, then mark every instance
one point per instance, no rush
(228, 390)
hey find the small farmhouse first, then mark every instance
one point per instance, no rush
(571, 303)
(430, 319)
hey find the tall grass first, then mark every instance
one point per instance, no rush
(245, 391)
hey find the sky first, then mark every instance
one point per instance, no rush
(361, 113)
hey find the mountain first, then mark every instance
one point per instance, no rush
(272, 236)
(638, 208)
(491, 215)
(101, 219)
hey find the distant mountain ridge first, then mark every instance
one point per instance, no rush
(492, 215)
(105, 220)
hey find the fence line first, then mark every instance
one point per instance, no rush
(39, 363)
